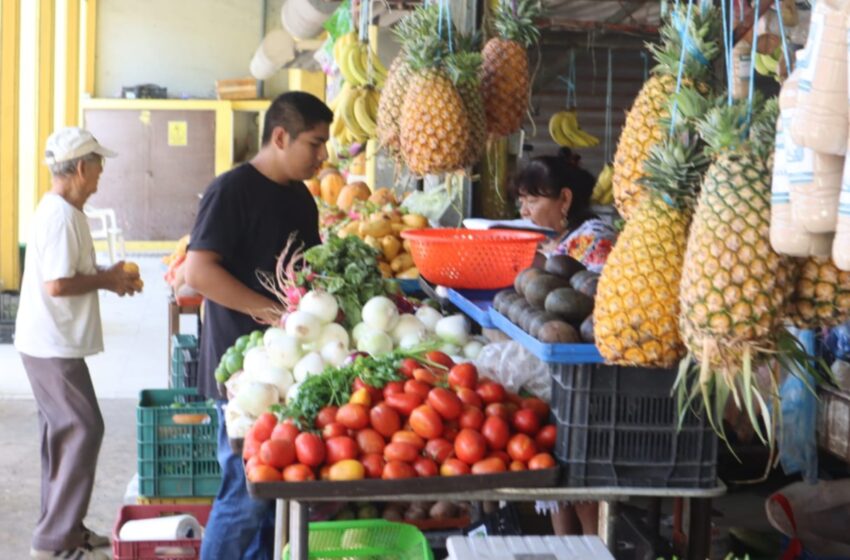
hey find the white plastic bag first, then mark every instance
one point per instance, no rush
(816, 514)
(516, 368)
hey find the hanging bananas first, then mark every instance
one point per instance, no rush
(603, 192)
(565, 131)
(771, 65)
(358, 63)
(355, 114)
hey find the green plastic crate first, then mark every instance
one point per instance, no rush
(184, 361)
(373, 539)
(176, 460)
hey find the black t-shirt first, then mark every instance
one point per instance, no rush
(247, 219)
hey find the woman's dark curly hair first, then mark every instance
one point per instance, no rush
(547, 176)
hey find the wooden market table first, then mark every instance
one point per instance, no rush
(294, 514)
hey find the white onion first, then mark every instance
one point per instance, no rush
(472, 349)
(255, 361)
(335, 352)
(359, 331)
(333, 332)
(450, 349)
(304, 326)
(309, 365)
(292, 394)
(411, 340)
(283, 350)
(380, 313)
(428, 316)
(408, 324)
(256, 398)
(453, 329)
(320, 304)
(375, 343)
(279, 377)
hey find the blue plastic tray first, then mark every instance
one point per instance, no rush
(551, 353)
(475, 304)
(410, 287)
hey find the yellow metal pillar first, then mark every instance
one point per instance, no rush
(72, 63)
(10, 44)
(306, 80)
(90, 46)
(44, 90)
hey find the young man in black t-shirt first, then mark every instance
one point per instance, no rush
(245, 219)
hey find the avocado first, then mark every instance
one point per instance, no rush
(563, 266)
(558, 332)
(524, 277)
(570, 305)
(538, 288)
(503, 299)
(538, 320)
(514, 310)
(585, 282)
(586, 330)
(526, 316)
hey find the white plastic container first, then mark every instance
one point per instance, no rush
(814, 201)
(820, 120)
(304, 18)
(786, 237)
(476, 547)
(276, 49)
(841, 243)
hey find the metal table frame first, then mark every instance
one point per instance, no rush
(295, 514)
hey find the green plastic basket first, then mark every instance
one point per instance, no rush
(184, 361)
(175, 459)
(373, 539)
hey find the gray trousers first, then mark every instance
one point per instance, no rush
(71, 429)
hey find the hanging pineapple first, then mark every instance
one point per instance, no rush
(434, 128)
(636, 318)
(821, 295)
(644, 127)
(463, 68)
(504, 71)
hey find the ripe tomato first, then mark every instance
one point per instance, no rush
(511, 408)
(362, 397)
(469, 397)
(471, 418)
(497, 409)
(370, 441)
(252, 462)
(521, 448)
(394, 470)
(463, 375)
(450, 431)
(353, 416)
(374, 392)
(374, 464)
(526, 421)
(491, 392)
(298, 473)
(489, 466)
(277, 453)
(417, 388)
(250, 448)
(546, 437)
(425, 421)
(285, 430)
(541, 461)
(264, 425)
(445, 402)
(426, 376)
(309, 449)
(347, 469)
(326, 416)
(407, 367)
(334, 429)
(404, 403)
(470, 446)
(496, 432)
(516, 466)
(384, 419)
(440, 358)
(439, 449)
(340, 448)
(325, 472)
(399, 451)
(453, 467)
(539, 406)
(425, 467)
(506, 459)
(514, 398)
(407, 436)
(264, 473)
(393, 387)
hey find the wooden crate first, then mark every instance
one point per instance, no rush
(238, 88)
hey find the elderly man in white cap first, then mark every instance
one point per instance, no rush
(58, 325)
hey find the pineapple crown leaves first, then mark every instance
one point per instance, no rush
(427, 52)
(675, 167)
(421, 23)
(513, 20)
(701, 44)
(462, 67)
(724, 128)
(763, 128)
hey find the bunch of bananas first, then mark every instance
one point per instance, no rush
(603, 192)
(771, 65)
(355, 114)
(358, 63)
(565, 131)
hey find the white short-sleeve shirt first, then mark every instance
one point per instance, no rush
(60, 246)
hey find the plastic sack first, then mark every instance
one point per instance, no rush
(516, 368)
(798, 451)
(432, 204)
(814, 516)
(838, 342)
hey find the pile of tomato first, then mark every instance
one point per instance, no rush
(445, 422)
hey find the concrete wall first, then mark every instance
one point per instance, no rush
(184, 45)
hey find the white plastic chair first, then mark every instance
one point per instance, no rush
(106, 228)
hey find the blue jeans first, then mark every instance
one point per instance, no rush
(239, 526)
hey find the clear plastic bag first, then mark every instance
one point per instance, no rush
(516, 368)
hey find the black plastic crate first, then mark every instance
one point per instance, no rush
(618, 426)
(184, 361)
(8, 312)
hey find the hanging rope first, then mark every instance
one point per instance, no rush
(784, 38)
(645, 58)
(570, 81)
(730, 58)
(753, 66)
(726, 51)
(609, 94)
(684, 32)
(364, 21)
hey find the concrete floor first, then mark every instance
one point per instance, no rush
(136, 343)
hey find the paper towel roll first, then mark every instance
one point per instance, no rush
(173, 527)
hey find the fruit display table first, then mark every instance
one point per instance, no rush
(291, 511)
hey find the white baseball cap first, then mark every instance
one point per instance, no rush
(73, 142)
